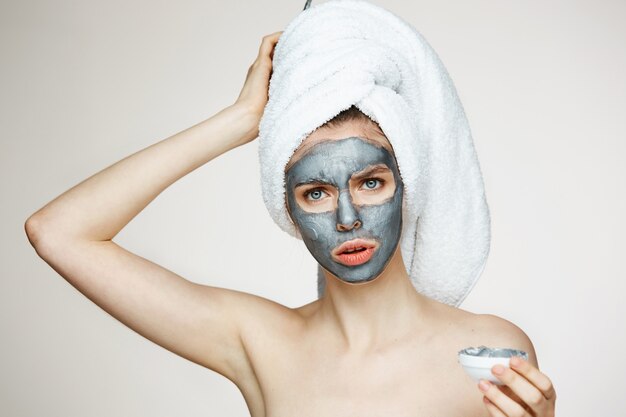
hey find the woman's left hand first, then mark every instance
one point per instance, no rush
(527, 392)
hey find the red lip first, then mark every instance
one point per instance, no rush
(354, 252)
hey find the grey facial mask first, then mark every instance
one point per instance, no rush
(334, 162)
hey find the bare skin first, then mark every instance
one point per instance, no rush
(352, 353)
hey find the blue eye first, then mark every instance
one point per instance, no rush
(315, 194)
(372, 183)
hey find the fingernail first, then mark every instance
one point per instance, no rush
(498, 369)
(483, 385)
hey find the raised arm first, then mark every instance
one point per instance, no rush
(73, 233)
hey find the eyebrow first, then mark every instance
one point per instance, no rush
(370, 170)
(364, 173)
(312, 182)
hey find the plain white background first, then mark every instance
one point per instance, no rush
(87, 83)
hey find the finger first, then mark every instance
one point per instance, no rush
(267, 44)
(266, 52)
(532, 374)
(275, 34)
(527, 392)
(507, 391)
(493, 410)
(501, 400)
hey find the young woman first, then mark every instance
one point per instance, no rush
(371, 346)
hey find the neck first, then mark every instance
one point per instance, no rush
(371, 314)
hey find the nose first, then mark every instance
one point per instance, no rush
(346, 228)
(347, 216)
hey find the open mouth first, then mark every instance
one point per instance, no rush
(354, 252)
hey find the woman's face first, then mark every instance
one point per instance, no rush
(344, 195)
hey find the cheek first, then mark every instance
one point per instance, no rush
(383, 219)
(317, 230)
(309, 229)
(308, 225)
(296, 215)
(289, 204)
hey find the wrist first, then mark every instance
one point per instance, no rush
(244, 121)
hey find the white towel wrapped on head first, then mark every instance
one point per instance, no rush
(351, 52)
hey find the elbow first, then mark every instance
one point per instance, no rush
(32, 227)
(36, 232)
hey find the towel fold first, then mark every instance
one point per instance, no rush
(351, 52)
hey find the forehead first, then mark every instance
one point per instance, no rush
(345, 130)
(337, 160)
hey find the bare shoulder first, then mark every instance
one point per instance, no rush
(263, 318)
(494, 331)
(470, 329)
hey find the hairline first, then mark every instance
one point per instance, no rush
(303, 148)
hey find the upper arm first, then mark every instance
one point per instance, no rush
(198, 322)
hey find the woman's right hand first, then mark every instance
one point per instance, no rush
(254, 94)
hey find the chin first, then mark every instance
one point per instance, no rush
(356, 280)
